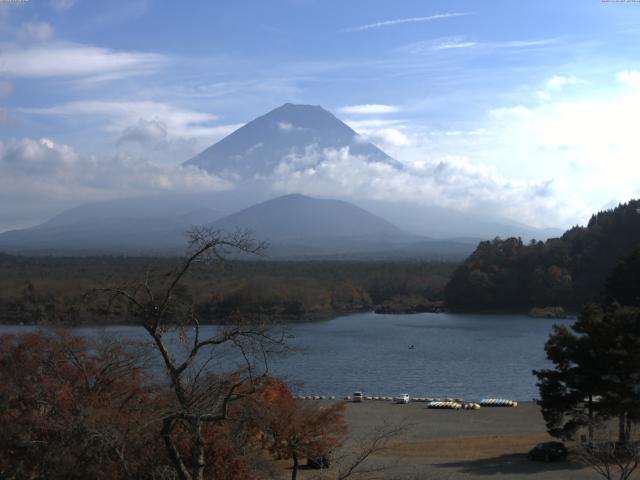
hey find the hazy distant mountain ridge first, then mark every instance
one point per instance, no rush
(181, 209)
(121, 235)
(259, 146)
(295, 227)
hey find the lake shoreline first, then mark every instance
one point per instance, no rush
(267, 319)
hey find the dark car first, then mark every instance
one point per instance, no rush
(318, 463)
(548, 452)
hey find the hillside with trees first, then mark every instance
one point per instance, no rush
(568, 271)
(37, 290)
(592, 389)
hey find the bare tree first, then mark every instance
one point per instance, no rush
(202, 380)
(354, 462)
(612, 459)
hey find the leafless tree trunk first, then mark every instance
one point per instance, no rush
(353, 467)
(613, 460)
(296, 464)
(199, 397)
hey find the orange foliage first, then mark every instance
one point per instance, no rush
(71, 412)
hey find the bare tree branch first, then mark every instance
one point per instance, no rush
(200, 397)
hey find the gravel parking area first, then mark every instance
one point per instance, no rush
(456, 444)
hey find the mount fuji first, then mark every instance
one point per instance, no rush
(259, 146)
(297, 226)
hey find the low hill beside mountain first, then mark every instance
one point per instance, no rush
(301, 227)
(567, 271)
(298, 218)
(296, 227)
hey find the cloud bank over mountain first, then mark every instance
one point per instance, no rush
(448, 182)
(534, 123)
(305, 149)
(40, 178)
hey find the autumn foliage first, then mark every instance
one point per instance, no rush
(77, 410)
(292, 430)
(70, 412)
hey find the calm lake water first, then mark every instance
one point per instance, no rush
(467, 356)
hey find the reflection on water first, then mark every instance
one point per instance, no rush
(468, 356)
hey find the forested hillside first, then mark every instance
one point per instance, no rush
(567, 271)
(52, 289)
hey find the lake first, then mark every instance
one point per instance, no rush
(468, 356)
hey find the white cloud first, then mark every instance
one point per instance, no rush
(437, 45)
(452, 44)
(630, 78)
(151, 133)
(557, 82)
(121, 115)
(400, 21)
(37, 31)
(444, 44)
(288, 127)
(371, 124)
(6, 88)
(587, 145)
(41, 177)
(459, 133)
(135, 127)
(62, 5)
(368, 109)
(285, 126)
(386, 137)
(523, 43)
(72, 60)
(447, 181)
(386, 133)
(517, 111)
(552, 163)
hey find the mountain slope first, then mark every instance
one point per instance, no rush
(297, 217)
(301, 227)
(75, 231)
(295, 226)
(260, 145)
(178, 208)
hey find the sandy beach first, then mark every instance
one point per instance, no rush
(463, 444)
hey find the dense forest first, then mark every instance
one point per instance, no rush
(568, 271)
(54, 289)
(502, 274)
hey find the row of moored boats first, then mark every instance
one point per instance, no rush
(445, 404)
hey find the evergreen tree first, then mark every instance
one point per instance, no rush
(567, 392)
(623, 284)
(596, 374)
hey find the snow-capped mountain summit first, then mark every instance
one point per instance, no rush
(261, 145)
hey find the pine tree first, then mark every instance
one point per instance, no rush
(596, 374)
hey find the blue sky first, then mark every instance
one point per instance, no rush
(529, 108)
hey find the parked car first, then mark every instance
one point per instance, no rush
(357, 397)
(318, 463)
(404, 398)
(548, 452)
